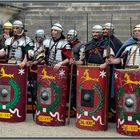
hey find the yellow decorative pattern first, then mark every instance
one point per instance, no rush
(110, 114)
(129, 81)
(42, 118)
(4, 74)
(33, 71)
(45, 76)
(5, 115)
(83, 122)
(29, 107)
(87, 77)
(131, 128)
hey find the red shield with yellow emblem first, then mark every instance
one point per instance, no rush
(51, 96)
(92, 98)
(127, 89)
(12, 93)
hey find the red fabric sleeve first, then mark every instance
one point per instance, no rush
(67, 53)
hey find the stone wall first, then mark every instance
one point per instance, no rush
(38, 14)
(6, 13)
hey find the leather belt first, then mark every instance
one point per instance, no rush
(93, 64)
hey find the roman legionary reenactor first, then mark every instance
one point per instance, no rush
(53, 80)
(38, 54)
(58, 49)
(92, 84)
(18, 45)
(7, 32)
(111, 40)
(127, 85)
(13, 76)
(78, 50)
(96, 51)
(37, 57)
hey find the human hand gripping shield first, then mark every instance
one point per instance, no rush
(30, 54)
(57, 66)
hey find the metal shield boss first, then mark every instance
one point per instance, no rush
(51, 96)
(92, 98)
(127, 90)
(12, 93)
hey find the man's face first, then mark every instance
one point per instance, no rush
(7, 31)
(17, 30)
(39, 39)
(70, 37)
(105, 32)
(95, 35)
(136, 34)
(55, 33)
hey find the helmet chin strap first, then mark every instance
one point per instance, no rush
(57, 37)
(20, 33)
(73, 38)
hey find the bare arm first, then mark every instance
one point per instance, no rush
(114, 60)
(62, 63)
(2, 53)
(23, 63)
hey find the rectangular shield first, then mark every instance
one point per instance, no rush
(51, 96)
(127, 90)
(92, 98)
(13, 80)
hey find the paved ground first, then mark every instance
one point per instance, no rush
(30, 129)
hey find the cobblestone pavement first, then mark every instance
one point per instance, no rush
(30, 129)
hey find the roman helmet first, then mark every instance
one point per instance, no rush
(136, 27)
(109, 26)
(73, 34)
(56, 35)
(40, 33)
(7, 25)
(97, 28)
(136, 35)
(18, 23)
(57, 26)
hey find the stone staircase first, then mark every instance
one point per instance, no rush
(38, 15)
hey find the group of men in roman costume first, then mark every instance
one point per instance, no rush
(103, 50)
